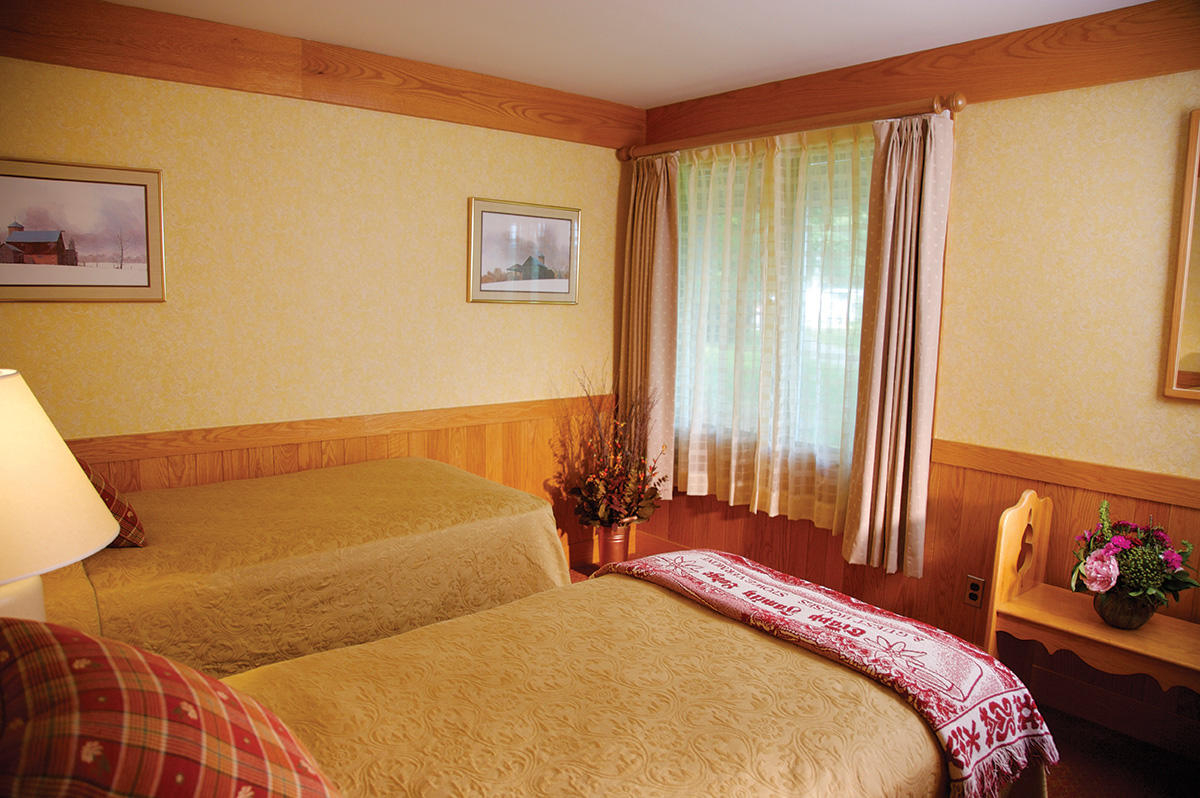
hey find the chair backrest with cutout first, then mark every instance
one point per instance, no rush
(1022, 540)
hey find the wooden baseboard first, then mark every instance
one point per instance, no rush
(1115, 710)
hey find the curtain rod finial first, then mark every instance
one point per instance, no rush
(952, 103)
(625, 153)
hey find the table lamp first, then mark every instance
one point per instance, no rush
(50, 514)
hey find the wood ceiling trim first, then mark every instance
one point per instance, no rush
(1142, 41)
(1156, 38)
(91, 34)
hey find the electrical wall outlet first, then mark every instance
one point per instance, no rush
(973, 594)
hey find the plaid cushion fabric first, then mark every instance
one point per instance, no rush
(131, 532)
(82, 715)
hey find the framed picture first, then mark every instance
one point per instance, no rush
(80, 233)
(523, 253)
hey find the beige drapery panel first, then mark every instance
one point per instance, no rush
(646, 346)
(906, 240)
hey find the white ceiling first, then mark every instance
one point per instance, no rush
(642, 53)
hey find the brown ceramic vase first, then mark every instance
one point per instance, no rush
(1121, 611)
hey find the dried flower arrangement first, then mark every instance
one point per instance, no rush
(602, 462)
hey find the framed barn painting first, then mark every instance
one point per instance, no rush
(75, 233)
(523, 253)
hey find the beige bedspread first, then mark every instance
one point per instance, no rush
(239, 574)
(610, 687)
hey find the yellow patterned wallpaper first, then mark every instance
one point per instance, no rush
(315, 258)
(1059, 276)
(316, 266)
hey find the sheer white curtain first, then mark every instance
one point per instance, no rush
(771, 256)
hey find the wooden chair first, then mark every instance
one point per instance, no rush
(1020, 562)
(1021, 604)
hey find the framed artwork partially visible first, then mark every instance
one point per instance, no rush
(74, 233)
(523, 253)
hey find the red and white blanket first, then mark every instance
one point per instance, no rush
(985, 719)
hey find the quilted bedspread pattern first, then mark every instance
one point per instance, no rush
(239, 574)
(613, 687)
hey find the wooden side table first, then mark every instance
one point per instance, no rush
(1022, 605)
(1166, 648)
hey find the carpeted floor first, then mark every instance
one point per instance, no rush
(1098, 763)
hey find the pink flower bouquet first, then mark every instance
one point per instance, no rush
(1132, 560)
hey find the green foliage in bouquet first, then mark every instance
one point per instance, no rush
(1132, 560)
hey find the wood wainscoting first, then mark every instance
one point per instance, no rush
(969, 487)
(508, 443)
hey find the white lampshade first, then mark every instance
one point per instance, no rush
(50, 514)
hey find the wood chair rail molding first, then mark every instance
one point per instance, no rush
(1165, 488)
(1141, 41)
(139, 446)
(133, 41)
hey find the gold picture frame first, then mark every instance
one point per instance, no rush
(522, 252)
(1183, 346)
(80, 233)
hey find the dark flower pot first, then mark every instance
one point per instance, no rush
(1121, 611)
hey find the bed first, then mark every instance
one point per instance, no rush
(616, 686)
(242, 573)
(613, 686)
(609, 687)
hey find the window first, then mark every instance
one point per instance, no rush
(771, 257)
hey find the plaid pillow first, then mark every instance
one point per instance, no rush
(82, 715)
(131, 532)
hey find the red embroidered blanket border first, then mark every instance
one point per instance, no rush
(983, 716)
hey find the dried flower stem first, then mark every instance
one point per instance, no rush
(602, 463)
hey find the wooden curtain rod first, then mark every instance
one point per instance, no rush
(953, 102)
